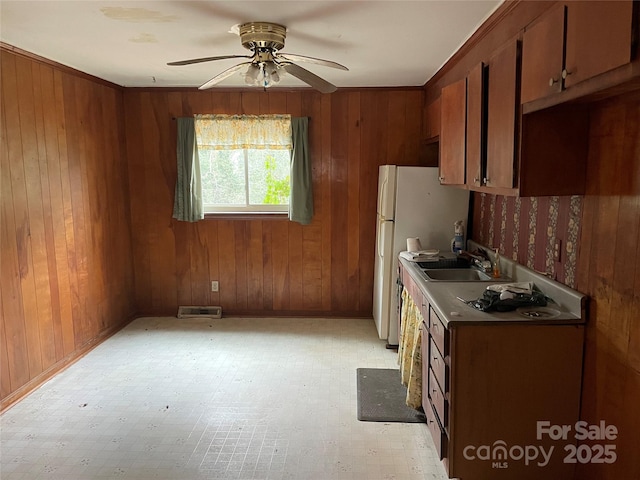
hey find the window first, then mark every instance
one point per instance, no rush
(245, 163)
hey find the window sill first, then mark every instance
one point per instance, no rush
(247, 216)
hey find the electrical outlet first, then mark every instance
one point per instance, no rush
(214, 286)
(557, 248)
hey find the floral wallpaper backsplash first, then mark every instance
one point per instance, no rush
(529, 229)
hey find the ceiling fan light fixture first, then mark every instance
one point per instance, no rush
(266, 65)
(271, 71)
(252, 74)
(262, 75)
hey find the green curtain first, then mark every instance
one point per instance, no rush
(301, 201)
(187, 204)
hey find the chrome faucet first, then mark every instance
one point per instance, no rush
(478, 261)
(482, 264)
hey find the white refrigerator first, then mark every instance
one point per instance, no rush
(411, 203)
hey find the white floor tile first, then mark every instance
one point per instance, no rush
(235, 398)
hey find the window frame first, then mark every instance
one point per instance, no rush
(247, 210)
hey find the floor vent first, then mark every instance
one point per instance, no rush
(193, 311)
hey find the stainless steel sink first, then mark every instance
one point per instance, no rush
(456, 275)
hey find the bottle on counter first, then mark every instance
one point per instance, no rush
(496, 264)
(458, 239)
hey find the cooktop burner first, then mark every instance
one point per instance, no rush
(538, 312)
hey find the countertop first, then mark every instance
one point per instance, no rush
(442, 296)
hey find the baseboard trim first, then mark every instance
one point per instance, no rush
(61, 365)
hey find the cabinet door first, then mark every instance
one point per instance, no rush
(502, 113)
(542, 56)
(453, 111)
(599, 38)
(476, 110)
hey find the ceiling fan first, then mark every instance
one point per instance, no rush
(267, 64)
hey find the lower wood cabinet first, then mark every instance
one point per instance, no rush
(487, 385)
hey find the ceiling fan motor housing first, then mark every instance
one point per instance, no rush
(259, 35)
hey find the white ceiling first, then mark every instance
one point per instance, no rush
(383, 43)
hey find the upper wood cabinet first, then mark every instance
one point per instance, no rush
(599, 36)
(575, 42)
(502, 116)
(543, 56)
(453, 112)
(476, 123)
(462, 130)
(540, 153)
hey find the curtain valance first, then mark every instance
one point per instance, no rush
(237, 132)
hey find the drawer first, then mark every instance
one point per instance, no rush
(439, 333)
(437, 432)
(439, 366)
(437, 399)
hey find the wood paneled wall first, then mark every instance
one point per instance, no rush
(66, 258)
(609, 272)
(269, 266)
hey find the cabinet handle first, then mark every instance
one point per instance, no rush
(553, 81)
(485, 180)
(476, 180)
(441, 179)
(566, 73)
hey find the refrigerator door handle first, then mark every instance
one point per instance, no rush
(383, 196)
(384, 225)
(381, 239)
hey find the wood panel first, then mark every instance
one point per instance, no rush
(431, 124)
(66, 255)
(609, 272)
(269, 266)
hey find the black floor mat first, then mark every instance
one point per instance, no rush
(381, 397)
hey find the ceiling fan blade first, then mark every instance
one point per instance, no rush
(221, 76)
(292, 57)
(309, 78)
(206, 59)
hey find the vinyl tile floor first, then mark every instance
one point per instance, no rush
(233, 398)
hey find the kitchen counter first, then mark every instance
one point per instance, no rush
(487, 377)
(442, 296)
